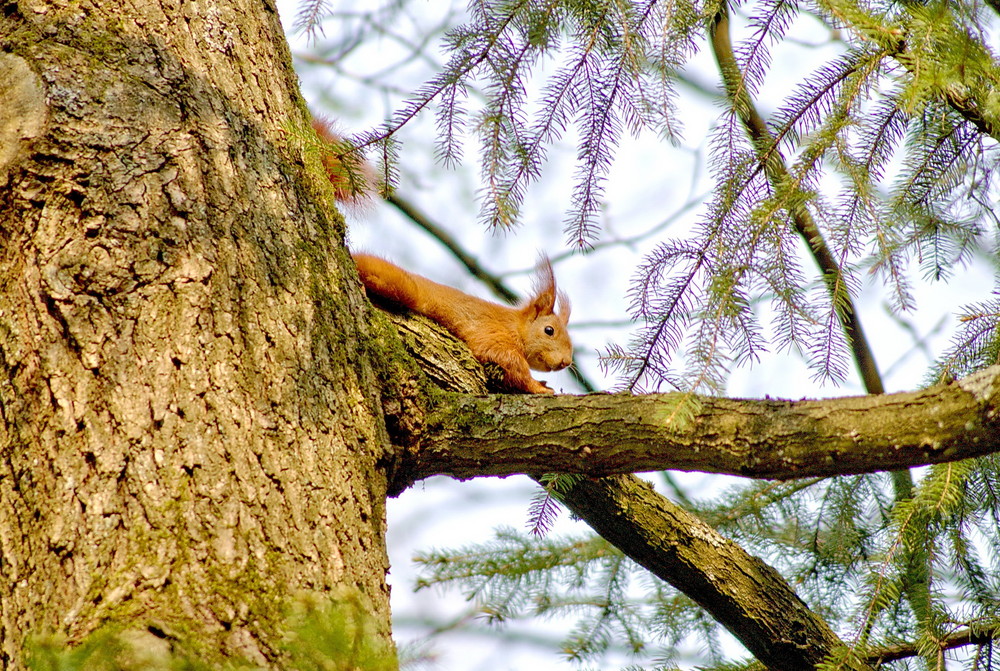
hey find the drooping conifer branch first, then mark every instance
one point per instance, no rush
(916, 560)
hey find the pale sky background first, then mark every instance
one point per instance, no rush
(651, 182)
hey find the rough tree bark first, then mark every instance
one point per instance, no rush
(188, 431)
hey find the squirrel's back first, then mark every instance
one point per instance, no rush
(388, 281)
(446, 305)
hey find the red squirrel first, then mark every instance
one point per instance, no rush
(530, 336)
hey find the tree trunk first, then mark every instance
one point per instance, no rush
(188, 435)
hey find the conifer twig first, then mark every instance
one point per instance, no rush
(958, 639)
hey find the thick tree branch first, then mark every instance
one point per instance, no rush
(740, 591)
(602, 434)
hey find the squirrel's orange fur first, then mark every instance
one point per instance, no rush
(530, 336)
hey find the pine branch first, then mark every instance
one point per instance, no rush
(917, 561)
(471, 49)
(803, 222)
(755, 58)
(977, 344)
(668, 313)
(545, 504)
(881, 131)
(615, 50)
(920, 41)
(309, 15)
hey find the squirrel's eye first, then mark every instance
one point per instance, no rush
(549, 330)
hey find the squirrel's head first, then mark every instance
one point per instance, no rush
(546, 340)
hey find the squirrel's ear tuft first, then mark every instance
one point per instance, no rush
(564, 308)
(542, 303)
(543, 300)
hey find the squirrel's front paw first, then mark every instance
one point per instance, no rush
(540, 388)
